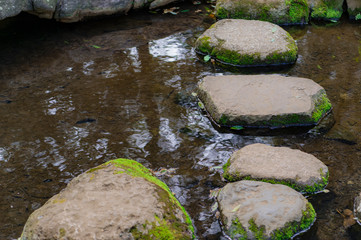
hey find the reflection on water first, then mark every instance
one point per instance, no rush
(69, 106)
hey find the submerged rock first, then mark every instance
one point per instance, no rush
(299, 170)
(258, 210)
(354, 9)
(120, 199)
(326, 9)
(276, 11)
(74, 10)
(263, 100)
(247, 43)
(342, 134)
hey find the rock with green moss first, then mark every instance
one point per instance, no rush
(275, 11)
(354, 9)
(247, 43)
(298, 170)
(326, 9)
(258, 210)
(120, 199)
(263, 101)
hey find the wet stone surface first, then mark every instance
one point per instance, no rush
(51, 77)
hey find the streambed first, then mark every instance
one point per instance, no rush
(73, 96)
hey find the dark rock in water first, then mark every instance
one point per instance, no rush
(341, 134)
(120, 199)
(74, 10)
(85, 120)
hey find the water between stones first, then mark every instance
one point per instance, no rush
(75, 96)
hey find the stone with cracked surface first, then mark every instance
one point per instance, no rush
(247, 43)
(281, 164)
(251, 210)
(112, 201)
(263, 100)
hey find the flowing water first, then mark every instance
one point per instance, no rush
(73, 96)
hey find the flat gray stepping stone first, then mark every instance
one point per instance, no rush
(357, 208)
(353, 8)
(299, 170)
(263, 101)
(120, 199)
(247, 43)
(276, 11)
(258, 210)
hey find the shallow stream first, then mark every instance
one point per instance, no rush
(73, 96)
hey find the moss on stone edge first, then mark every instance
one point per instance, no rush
(308, 189)
(237, 231)
(287, 232)
(161, 227)
(322, 107)
(225, 56)
(353, 13)
(298, 12)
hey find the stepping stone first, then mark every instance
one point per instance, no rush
(247, 43)
(357, 208)
(120, 199)
(299, 170)
(263, 101)
(258, 210)
(276, 11)
(326, 9)
(354, 8)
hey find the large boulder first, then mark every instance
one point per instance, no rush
(276, 11)
(120, 199)
(326, 9)
(74, 10)
(354, 9)
(299, 170)
(263, 100)
(247, 43)
(258, 210)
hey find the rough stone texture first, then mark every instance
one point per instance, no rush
(247, 43)
(74, 10)
(117, 200)
(326, 9)
(357, 208)
(263, 100)
(353, 8)
(276, 11)
(300, 170)
(258, 210)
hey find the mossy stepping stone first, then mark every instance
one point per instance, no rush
(263, 101)
(258, 210)
(120, 199)
(326, 9)
(299, 170)
(247, 43)
(276, 11)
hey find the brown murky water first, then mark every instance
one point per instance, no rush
(67, 105)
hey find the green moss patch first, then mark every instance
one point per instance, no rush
(297, 13)
(308, 189)
(168, 227)
(327, 10)
(322, 108)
